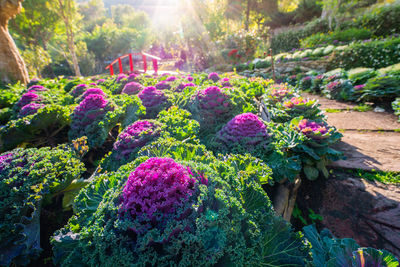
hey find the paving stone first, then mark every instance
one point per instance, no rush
(329, 104)
(370, 150)
(353, 120)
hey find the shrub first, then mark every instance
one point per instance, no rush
(28, 179)
(7, 98)
(306, 83)
(211, 213)
(132, 88)
(345, 36)
(163, 85)
(154, 100)
(374, 54)
(317, 83)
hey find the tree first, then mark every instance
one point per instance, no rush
(12, 67)
(67, 11)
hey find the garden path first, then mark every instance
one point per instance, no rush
(370, 140)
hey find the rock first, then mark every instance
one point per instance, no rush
(379, 109)
(365, 211)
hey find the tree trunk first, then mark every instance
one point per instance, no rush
(12, 66)
(286, 198)
(247, 22)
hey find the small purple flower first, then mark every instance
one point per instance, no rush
(30, 109)
(213, 76)
(132, 88)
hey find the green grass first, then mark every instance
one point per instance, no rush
(332, 110)
(362, 108)
(380, 176)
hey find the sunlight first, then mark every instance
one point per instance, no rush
(165, 13)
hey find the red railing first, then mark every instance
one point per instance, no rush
(144, 58)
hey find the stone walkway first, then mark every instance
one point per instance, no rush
(370, 140)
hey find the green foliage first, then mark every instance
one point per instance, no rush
(226, 221)
(178, 123)
(374, 54)
(361, 75)
(330, 251)
(396, 107)
(339, 89)
(380, 176)
(379, 88)
(39, 129)
(29, 179)
(345, 36)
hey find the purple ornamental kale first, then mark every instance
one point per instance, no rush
(132, 88)
(133, 137)
(152, 98)
(171, 79)
(100, 81)
(213, 101)
(121, 77)
(93, 91)
(225, 82)
(244, 126)
(36, 88)
(132, 77)
(313, 130)
(184, 85)
(295, 101)
(79, 90)
(27, 98)
(359, 87)
(213, 76)
(163, 85)
(90, 109)
(190, 78)
(30, 109)
(156, 189)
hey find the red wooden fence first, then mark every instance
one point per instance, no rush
(144, 58)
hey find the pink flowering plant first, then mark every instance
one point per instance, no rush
(296, 106)
(79, 90)
(132, 88)
(187, 202)
(305, 83)
(30, 109)
(339, 90)
(315, 152)
(277, 93)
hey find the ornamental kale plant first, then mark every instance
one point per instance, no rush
(317, 84)
(277, 93)
(214, 106)
(305, 84)
(91, 91)
(28, 180)
(178, 124)
(163, 85)
(381, 88)
(132, 88)
(154, 100)
(339, 90)
(243, 131)
(294, 107)
(28, 98)
(315, 152)
(163, 211)
(130, 141)
(396, 107)
(214, 77)
(43, 127)
(93, 118)
(30, 109)
(330, 251)
(79, 90)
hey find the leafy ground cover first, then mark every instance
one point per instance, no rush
(179, 169)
